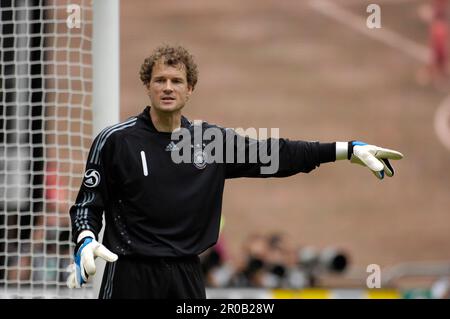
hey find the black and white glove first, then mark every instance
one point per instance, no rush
(374, 157)
(86, 250)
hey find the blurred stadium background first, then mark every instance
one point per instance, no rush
(314, 70)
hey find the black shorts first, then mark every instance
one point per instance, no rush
(153, 278)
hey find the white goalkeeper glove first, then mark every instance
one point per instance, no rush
(86, 250)
(374, 157)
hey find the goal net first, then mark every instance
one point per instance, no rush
(46, 128)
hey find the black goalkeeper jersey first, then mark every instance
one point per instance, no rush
(156, 207)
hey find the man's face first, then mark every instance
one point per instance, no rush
(168, 88)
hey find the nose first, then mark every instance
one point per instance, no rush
(168, 87)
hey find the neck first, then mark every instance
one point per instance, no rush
(165, 122)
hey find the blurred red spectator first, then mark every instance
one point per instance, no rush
(439, 38)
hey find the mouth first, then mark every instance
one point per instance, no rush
(167, 99)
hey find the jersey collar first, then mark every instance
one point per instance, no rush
(145, 117)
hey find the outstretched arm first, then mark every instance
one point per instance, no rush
(283, 157)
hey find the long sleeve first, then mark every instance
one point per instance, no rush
(87, 211)
(273, 157)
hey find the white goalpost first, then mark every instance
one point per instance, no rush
(106, 96)
(59, 86)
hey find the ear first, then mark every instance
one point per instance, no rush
(147, 88)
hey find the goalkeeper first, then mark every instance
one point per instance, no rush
(159, 214)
